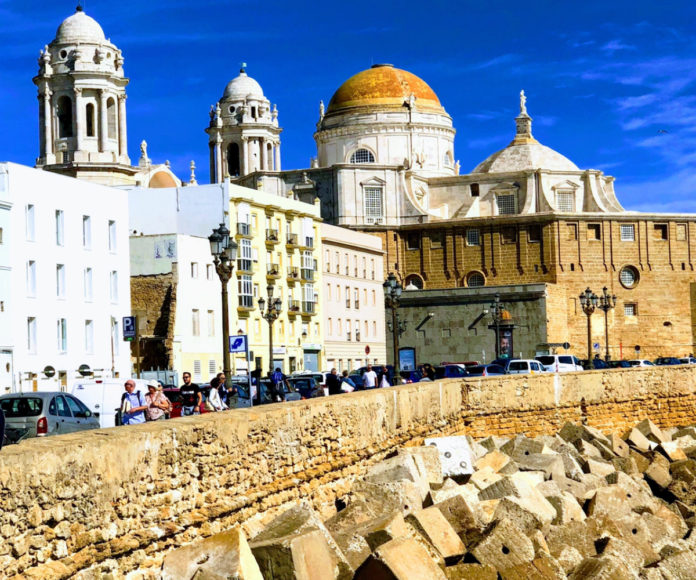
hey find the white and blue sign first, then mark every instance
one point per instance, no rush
(128, 327)
(595, 346)
(238, 343)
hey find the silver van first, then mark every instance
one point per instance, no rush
(559, 363)
(522, 366)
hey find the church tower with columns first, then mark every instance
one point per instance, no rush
(244, 136)
(82, 104)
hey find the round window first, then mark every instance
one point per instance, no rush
(475, 279)
(63, 53)
(628, 276)
(231, 109)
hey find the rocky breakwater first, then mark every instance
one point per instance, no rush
(577, 504)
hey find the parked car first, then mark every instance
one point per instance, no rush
(103, 397)
(595, 363)
(667, 360)
(319, 377)
(450, 371)
(485, 370)
(174, 396)
(560, 363)
(641, 363)
(44, 413)
(267, 392)
(523, 366)
(619, 364)
(688, 360)
(465, 364)
(413, 376)
(305, 385)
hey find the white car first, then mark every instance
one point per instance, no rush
(559, 363)
(641, 362)
(522, 366)
(688, 360)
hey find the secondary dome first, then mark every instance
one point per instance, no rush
(79, 28)
(525, 152)
(383, 85)
(242, 87)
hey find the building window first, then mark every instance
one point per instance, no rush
(660, 231)
(630, 310)
(60, 280)
(508, 235)
(31, 278)
(413, 282)
(62, 335)
(245, 254)
(413, 241)
(628, 276)
(565, 201)
(209, 271)
(112, 236)
(362, 156)
(31, 335)
(115, 336)
(87, 283)
(681, 232)
(197, 370)
(212, 367)
(194, 270)
(111, 118)
(534, 234)
(373, 204)
(0, 235)
(30, 229)
(594, 232)
(356, 298)
(65, 120)
(572, 232)
(372, 267)
(628, 233)
(196, 322)
(89, 114)
(86, 232)
(473, 237)
(60, 228)
(211, 323)
(245, 289)
(347, 295)
(327, 261)
(474, 187)
(506, 203)
(374, 298)
(113, 286)
(89, 337)
(475, 279)
(436, 240)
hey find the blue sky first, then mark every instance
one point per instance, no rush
(611, 86)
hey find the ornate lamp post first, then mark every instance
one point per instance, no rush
(224, 251)
(501, 322)
(606, 303)
(270, 311)
(589, 301)
(392, 300)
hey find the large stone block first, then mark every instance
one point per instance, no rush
(482, 478)
(609, 500)
(651, 431)
(567, 508)
(639, 441)
(543, 567)
(550, 464)
(427, 459)
(458, 512)
(399, 468)
(400, 559)
(471, 572)
(504, 546)
(432, 525)
(497, 461)
(603, 568)
(456, 457)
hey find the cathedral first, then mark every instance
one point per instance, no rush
(526, 224)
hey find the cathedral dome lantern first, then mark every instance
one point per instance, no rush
(388, 116)
(79, 28)
(244, 135)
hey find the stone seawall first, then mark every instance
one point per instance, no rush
(125, 496)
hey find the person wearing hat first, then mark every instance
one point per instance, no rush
(157, 403)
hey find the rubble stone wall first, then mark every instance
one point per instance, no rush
(131, 493)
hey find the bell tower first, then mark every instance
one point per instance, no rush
(82, 104)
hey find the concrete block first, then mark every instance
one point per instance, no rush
(471, 572)
(671, 451)
(567, 508)
(504, 546)
(458, 512)
(228, 552)
(618, 445)
(404, 495)
(530, 478)
(548, 488)
(685, 432)
(429, 462)
(485, 511)
(626, 465)
(522, 513)
(642, 462)
(639, 441)
(456, 456)
(577, 489)
(605, 450)
(432, 525)
(482, 478)
(571, 464)
(569, 558)
(400, 559)
(524, 447)
(609, 500)
(658, 477)
(622, 550)
(575, 534)
(573, 433)
(468, 491)
(601, 468)
(631, 529)
(550, 464)
(492, 442)
(497, 461)
(679, 566)
(543, 567)
(606, 568)
(651, 431)
(399, 468)
(587, 450)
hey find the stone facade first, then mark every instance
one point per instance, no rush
(164, 484)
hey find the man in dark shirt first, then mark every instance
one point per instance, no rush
(191, 398)
(333, 383)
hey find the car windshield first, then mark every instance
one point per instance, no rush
(21, 407)
(476, 371)
(546, 360)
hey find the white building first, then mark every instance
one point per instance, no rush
(64, 279)
(353, 298)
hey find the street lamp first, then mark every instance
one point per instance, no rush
(501, 318)
(270, 311)
(606, 303)
(392, 300)
(589, 301)
(224, 251)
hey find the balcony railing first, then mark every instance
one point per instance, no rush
(273, 270)
(308, 307)
(293, 274)
(272, 236)
(307, 274)
(292, 240)
(293, 306)
(243, 229)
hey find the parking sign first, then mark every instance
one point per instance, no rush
(128, 327)
(238, 343)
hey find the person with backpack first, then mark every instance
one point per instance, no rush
(133, 405)
(278, 379)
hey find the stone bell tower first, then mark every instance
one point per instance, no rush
(82, 104)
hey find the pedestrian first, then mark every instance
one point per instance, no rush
(133, 405)
(214, 403)
(157, 403)
(221, 380)
(347, 384)
(191, 398)
(278, 381)
(384, 378)
(333, 383)
(369, 378)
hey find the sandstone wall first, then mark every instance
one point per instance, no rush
(124, 496)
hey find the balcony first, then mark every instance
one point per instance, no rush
(308, 308)
(292, 240)
(293, 307)
(273, 271)
(246, 303)
(244, 230)
(307, 275)
(293, 274)
(272, 237)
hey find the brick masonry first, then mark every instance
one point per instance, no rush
(123, 497)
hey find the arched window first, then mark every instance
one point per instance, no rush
(89, 113)
(269, 157)
(111, 118)
(65, 117)
(475, 279)
(233, 159)
(413, 282)
(448, 158)
(362, 156)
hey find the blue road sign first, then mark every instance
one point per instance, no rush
(238, 343)
(595, 346)
(128, 327)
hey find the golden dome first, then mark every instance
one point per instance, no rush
(384, 86)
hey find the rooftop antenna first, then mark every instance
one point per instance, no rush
(80, 7)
